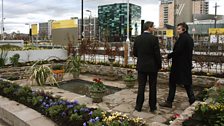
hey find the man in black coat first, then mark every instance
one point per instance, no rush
(181, 65)
(146, 49)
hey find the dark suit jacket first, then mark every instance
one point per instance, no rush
(182, 59)
(146, 49)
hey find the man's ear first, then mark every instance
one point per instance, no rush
(183, 29)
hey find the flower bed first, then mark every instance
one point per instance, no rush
(63, 112)
(210, 112)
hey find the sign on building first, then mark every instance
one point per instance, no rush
(34, 29)
(169, 33)
(64, 24)
(215, 31)
(213, 39)
(221, 38)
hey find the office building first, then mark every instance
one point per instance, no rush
(113, 21)
(185, 9)
(200, 6)
(90, 28)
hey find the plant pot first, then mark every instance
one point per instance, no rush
(58, 74)
(130, 83)
(97, 96)
(75, 75)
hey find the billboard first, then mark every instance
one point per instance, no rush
(214, 31)
(34, 29)
(169, 33)
(65, 24)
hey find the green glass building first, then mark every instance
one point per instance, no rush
(113, 21)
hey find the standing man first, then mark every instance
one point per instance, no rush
(181, 65)
(146, 49)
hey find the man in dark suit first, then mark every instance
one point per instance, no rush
(181, 65)
(146, 49)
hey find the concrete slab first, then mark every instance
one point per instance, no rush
(27, 114)
(41, 121)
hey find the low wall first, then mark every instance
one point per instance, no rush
(35, 55)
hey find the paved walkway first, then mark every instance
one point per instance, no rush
(124, 100)
(2, 123)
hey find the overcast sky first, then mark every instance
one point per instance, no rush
(19, 12)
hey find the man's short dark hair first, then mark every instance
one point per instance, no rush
(147, 25)
(184, 26)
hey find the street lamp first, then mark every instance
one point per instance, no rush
(128, 40)
(90, 13)
(82, 33)
(2, 28)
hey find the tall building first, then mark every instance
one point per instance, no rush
(90, 28)
(200, 6)
(113, 21)
(43, 31)
(185, 9)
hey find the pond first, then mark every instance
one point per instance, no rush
(82, 87)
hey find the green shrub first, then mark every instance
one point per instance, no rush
(15, 59)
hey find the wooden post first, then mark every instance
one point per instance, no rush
(125, 54)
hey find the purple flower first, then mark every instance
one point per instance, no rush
(97, 118)
(75, 102)
(63, 114)
(84, 109)
(44, 103)
(84, 124)
(46, 106)
(92, 120)
(75, 111)
(69, 106)
(91, 112)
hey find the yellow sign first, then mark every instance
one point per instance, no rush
(169, 33)
(64, 24)
(214, 31)
(34, 29)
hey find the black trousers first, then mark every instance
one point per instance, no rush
(142, 79)
(172, 90)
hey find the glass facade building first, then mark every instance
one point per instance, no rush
(113, 21)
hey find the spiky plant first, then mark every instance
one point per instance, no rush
(42, 73)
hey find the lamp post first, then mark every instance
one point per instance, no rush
(128, 40)
(90, 13)
(216, 6)
(127, 44)
(82, 33)
(2, 28)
